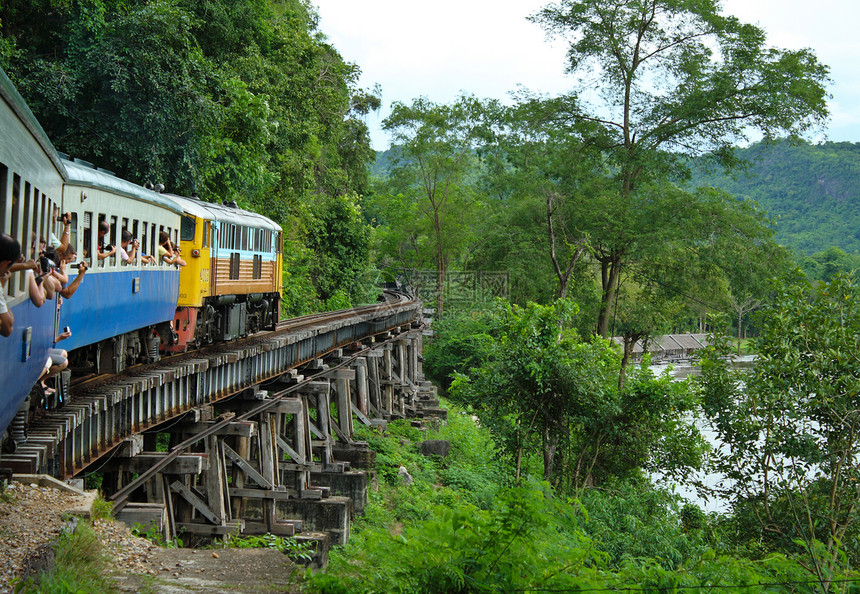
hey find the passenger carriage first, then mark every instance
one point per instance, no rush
(31, 177)
(121, 313)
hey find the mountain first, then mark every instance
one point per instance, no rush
(813, 191)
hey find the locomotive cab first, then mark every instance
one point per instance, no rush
(230, 285)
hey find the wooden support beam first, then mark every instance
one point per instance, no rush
(361, 416)
(236, 428)
(182, 464)
(290, 451)
(281, 493)
(289, 406)
(196, 501)
(249, 470)
(231, 527)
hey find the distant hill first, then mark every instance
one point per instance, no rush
(812, 190)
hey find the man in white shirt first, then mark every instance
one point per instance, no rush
(10, 253)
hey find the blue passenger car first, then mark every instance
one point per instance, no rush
(31, 176)
(122, 310)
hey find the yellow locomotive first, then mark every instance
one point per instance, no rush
(230, 283)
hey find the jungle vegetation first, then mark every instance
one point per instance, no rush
(608, 212)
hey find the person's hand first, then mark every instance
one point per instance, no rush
(82, 267)
(33, 265)
(64, 336)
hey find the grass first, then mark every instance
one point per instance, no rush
(80, 565)
(102, 509)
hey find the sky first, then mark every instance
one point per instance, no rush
(488, 48)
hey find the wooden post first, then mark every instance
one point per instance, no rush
(360, 365)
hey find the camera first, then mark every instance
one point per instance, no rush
(108, 247)
(79, 265)
(44, 264)
(64, 218)
(67, 330)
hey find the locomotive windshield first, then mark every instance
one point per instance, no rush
(189, 223)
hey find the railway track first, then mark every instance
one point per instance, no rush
(390, 299)
(105, 410)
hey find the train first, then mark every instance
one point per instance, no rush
(223, 283)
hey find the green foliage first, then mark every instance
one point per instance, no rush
(792, 431)
(824, 266)
(632, 521)
(461, 341)
(102, 508)
(542, 391)
(242, 100)
(151, 533)
(80, 565)
(284, 544)
(428, 204)
(426, 538)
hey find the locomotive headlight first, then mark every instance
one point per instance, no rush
(195, 253)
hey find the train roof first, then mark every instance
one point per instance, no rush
(10, 94)
(82, 173)
(221, 212)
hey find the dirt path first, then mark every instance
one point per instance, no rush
(32, 514)
(214, 571)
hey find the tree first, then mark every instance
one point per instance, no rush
(676, 77)
(543, 391)
(793, 435)
(228, 99)
(436, 148)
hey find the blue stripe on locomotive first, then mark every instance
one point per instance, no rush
(106, 304)
(20, 371)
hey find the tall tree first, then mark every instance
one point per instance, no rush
(676, 77)
(436, 149)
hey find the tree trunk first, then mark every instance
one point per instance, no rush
(609, 279)
(550, 446)
(440, 266)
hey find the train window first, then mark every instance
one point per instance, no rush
(258, 267)
(207, 226)
(114, 240)
(189, 225)
(234, 265)
(4, 180)
(43, 209)
(15, 281)
(73, 231)
(28, 241)
(88, 248)
(279, 244)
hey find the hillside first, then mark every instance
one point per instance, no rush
(813, 191)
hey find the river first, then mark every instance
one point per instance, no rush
(681, 371)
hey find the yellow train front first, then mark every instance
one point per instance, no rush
(230, 285)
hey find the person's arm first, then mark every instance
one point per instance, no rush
(7, 322)
(69, 290)
(62, 336)
(28, 265)
(60, 274)
(37, 295)
(64, 238)
(132, 253)
(103, 255)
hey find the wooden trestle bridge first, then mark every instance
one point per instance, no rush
(260, 430)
